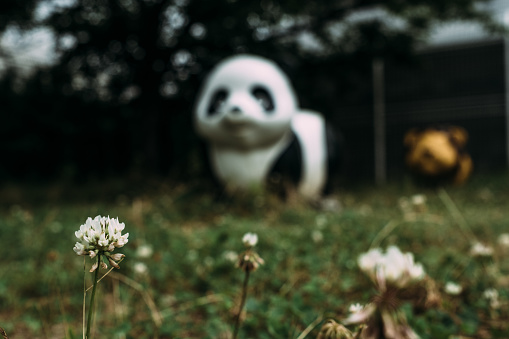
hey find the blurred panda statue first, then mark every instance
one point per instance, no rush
(437, 156)
(255, 133)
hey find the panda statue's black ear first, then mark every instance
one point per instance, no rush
(411, 137)
(458, 135)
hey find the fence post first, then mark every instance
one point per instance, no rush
(379, 121)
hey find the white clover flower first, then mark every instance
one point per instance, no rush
(492, 295)
(393, 267)
(249, 260)
(250, 239)
(144, 251)
(231, 256)
(368, 261)
(100, 236)
(418, 199)
(503, 239)
(480, 250)
(317, 236)
(321, 221)
(140, 268)
(453, 288)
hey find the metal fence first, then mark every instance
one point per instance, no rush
(455, 85)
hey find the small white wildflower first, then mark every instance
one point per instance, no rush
(416, 271)
(209, 261)
(503, 239)
(250, 239)
(231, 256)
(100, 236)
(492, 295)
(317, 236)
(418, 199)
(404, 204)
(249, 260)
(394, 267)
(355, 308)
(480, 250)
(368, 261)
(140, 268)
(144, 251)
(395, 263)
(453, 288)
(321, 221)
(79, 248)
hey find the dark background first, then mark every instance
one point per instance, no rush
(67, 123)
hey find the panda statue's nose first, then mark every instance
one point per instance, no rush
(236, 110)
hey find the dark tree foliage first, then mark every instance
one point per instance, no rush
(120, 98)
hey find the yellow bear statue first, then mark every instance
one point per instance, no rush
(437, 156)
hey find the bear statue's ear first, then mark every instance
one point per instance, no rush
(459, 135)
(411, 137)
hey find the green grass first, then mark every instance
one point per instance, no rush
(192, 289)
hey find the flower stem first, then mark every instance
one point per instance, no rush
(92, 297)
(242, 302)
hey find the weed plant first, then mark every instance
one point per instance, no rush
(181, 281)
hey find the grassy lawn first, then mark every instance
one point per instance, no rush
(179, 279)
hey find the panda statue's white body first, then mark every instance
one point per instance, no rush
(248, 115)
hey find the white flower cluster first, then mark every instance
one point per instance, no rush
(453, 288)
(250, 239)
(98, 235)
(480, 250)
(394, 267)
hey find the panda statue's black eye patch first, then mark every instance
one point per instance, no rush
(218, 99)
(264, 98)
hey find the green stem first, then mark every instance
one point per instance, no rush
(242, 302)
(91, 306)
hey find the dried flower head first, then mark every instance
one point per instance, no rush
(332, 330)
(249, 261)
(100, 236)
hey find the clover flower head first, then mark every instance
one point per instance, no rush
(503, 239)
(250, 239)
(140, 268)
(230, 256)
(100, 236)
(369, 260)
(317, 236)
(394, 267)
(418, 199)
(492, 295)
(453, 288)
(249, 260)
(480, 250)
(144, 251)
